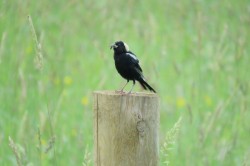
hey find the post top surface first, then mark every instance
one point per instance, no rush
(114, 93)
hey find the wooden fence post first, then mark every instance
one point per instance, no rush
(126, 129)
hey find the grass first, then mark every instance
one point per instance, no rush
(196, 55)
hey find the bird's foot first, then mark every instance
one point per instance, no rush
(120, 91)
(130, 92)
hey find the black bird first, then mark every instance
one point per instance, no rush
(127, 65)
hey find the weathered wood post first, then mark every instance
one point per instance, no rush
(126, 129)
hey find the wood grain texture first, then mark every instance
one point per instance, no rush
(126, 129)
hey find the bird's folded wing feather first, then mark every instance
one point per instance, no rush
(134, 61)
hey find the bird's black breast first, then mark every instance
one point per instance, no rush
(127, 66)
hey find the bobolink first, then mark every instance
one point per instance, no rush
(127, 65)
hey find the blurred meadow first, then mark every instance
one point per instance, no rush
(194, 53)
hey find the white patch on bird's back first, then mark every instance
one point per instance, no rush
(132, 56)
(126, 46)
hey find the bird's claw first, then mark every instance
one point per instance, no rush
(129, 93)
(120, 91)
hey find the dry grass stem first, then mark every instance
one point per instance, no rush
(170, 140)
(39, 57)
(15, 151)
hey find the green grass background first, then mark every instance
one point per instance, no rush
(194, 53)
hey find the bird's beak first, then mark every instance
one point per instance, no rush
(113, 46)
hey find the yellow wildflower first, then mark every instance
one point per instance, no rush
(208, 100)
(180, 102)
(29, 49)
(85, 101)
(43, 142)
(67, 80)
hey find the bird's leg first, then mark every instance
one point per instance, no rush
(132, 87)
(124, 86)
(121, 91)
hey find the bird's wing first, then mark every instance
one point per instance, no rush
(133, 56)
(134, 60)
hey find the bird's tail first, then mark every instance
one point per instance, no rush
(145, 85)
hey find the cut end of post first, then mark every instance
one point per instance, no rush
(114, 93)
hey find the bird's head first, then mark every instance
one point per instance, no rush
(120, 47)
